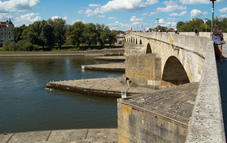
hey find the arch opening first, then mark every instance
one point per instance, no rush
(174, 72)
(148, 50)
(136, 41)
(141, 42)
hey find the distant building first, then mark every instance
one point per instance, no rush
(120, 39)
(6, 31)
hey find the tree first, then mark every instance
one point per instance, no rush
(75, 33)
(47, 35)
(100, 30)
(59, 30)
(17, 32)
(90, 34)
(112, 37)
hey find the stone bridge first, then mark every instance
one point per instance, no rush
(177, 59)
(189, 113)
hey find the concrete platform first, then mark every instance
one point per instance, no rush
(62, 136)
(162, 116)
(111, 58)
(115, 67)
(100, 87)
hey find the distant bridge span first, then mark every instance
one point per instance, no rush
(181, 58)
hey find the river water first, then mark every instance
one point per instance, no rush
(25, 104)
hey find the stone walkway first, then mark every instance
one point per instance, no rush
(115, 67)
(62, 136)
(100, 86)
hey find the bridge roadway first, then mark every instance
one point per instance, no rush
(222, 73)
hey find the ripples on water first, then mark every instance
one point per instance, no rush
(25, 105)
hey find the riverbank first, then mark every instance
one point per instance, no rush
(111, 58)
(114, 67)
(62, 136)
(111, 87)
(102, 52)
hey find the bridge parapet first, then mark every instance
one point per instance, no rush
(206, 124)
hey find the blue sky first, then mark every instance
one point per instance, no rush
(117, 14)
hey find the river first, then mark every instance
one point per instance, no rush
(25, 104)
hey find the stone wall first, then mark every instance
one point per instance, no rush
(140, 126)
(144, 69)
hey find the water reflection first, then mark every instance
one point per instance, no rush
(26, 105)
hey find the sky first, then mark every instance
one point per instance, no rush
(117, 14)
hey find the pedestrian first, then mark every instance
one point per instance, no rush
(196, 32)
(218, 41)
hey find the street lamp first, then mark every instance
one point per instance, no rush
(157, 19)
(206, 20)
(212, 22)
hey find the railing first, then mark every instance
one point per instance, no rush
(206, 124)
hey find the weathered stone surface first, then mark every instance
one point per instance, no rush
(144, 70)
(29, 137)
(161, 117)
(63, 136)
(100, 86)
(206, 124)
(116, 67)
(4, 138)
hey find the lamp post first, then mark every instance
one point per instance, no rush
(206, 20)
(212, 22)
(157, 19)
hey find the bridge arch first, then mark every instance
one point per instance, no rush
(174, 72)
(141, 42)
(148, 50)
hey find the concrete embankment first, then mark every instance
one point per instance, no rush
(115, 67)
(111, 58)
(62, 136)
(100, 87)
(103, 52)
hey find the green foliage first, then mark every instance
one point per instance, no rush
(45, 35)
(9, 46)
(196, 23)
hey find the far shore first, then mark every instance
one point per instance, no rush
(101, 52)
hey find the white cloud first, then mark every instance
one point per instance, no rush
(170, 7)
(223, 16)
(119, 26)
(4, 16)
(135, 20)
(17, 5)
(27, 19)
(223, 10)
(195, 13)
(56, 17)
(101, 16)
(199, 1)
(168, 23)
(120, 5)
(178, 14)
(93, 5)
(111, 18)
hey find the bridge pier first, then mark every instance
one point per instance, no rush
(144, 70)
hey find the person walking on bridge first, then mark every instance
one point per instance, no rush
(218, 41)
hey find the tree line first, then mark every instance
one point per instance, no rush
(54, 33)
(193, 24)
(200, 25)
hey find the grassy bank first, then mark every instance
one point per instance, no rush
(64, 49)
